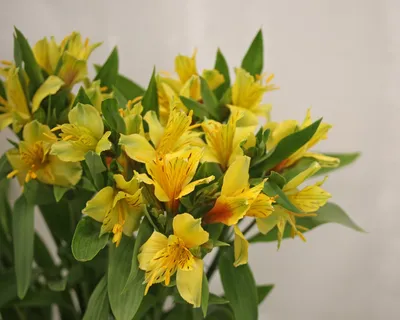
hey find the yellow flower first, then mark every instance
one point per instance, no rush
(283, 129)
(309, 200)
(96, 95)
(119, 208)
(162, 257)
(83, 133)
(172, 176)
(32, 160)
(223, 140)
(133, 118)
(14, 110)
(177, 135)
(188, 84)
(47, 54)
(247, 93)
(236, 195)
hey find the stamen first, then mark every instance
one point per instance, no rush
(56, 128)
(6, 62)
(103, 89)
(197, 125)
(12, 174)
(121, 112)
(269, 79)
(66, 138)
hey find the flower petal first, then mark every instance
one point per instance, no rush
(88, 117)
(130, 186)
(100, 204)
(261, 207)
(67, 151)
(63, 173)
(191, 186)
(311, 198)
(236, 177)
(137, 148)
(228, 210)
(323, 160)
(156, 130)
(104, 144)
(189, 230)
(35, 131)
(154, 244)
(301, 177)
(189, 283)
(49, 87)
(241, 248)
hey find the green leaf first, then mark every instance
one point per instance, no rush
(129, 89)
(222, 66)
(98, 307)
(86, 242)
(42, 298)
(272, 190)
(96, 167)
(239, 286)
(5, 210)
(199, 109)
(144, 233)
(214, 299)
(285, 148)
(148, 302)
(31, 67)
(108, 73)
(38, 193)
(263, 292)
(5, 167)
(220, 312)
(124, 303)
(304, 163)
(23, 240)
(121, 100)
(112, 116)
(276, 178)
(253, 61)
(7, 280)
(210, 100)
(205, 294)
(330, 213)
(59, 192)
(150, 98)
(41, 254)
(81, 97)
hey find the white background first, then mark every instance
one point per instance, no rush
(340, 57)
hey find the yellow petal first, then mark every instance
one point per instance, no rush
(72, 69)
(261, 207)
(249, 117)
(100, 204)
(185, 66)
(189, 283)
(311, 198)
(5, 120)
(15, 94)
(63, 173)
(137, 148)
(278, 131)
(88, 117)
(241, 248)
(228, 210)
(156, 130)
(189, 230)
(213, 78)
(154, 244)
(41, 52)
(191, 186)
(130, 186)
(104, 144)
(236, 177)
(132, 219)
(302, 176)
(35, 131)
(323, 160)
(265, 225)
(49, 87)
(159, 192)
(14, 157)
(67, 151)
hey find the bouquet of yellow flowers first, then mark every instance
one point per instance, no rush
(147, 193)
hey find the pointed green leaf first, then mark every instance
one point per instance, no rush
(41, 254)
(263, 292)
(112, 116)
(214, 299)
(253, 61)
(7, 280)
(222, 66)
(98, 306)
(129, 89)
(199, 109)
(276, 178)
(31, 67)
(210, 100)
(285, 148)
(59, 192)
(23, 240)
(239, 286)
(205, 294)
(5, 167)
(150, 98)
(124, 303)
(81, 97)
(109, 71)
(96, 167)
(38, 193)
(86, 242)
(330, 213)
(272, 190)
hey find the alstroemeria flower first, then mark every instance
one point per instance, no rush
(188, 84)
(223, 140)
(247, 94)
(162, 257)
(47, 54)
(32, 160)
(172, 175)
(84, 132)
(14, 107)
(177, 135)
(283, 129)
(119, 208)
(309, 200)
(96, 94)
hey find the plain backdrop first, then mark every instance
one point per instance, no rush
(340, 57)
